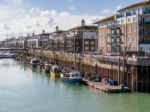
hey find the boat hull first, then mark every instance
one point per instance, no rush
(34, 65)
(55, 74)
(73, 81)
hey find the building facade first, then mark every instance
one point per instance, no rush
(39, 41)
(127, 30)
(82, 39)
(57, 40)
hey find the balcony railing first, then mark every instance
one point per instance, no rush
(130, 14)
(114, 34)
(146, 12)
(145, 23)
(144, 33)
(144, 42)
(113, 26)
(120, 15)
(115, 43)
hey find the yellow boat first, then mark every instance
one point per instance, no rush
(55, 71)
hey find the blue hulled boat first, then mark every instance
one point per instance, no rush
(71, 76)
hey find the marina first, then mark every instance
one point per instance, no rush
(24, 89)
(85, 56)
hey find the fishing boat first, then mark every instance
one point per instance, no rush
(55, 71)
(34, 63)
(71, 76)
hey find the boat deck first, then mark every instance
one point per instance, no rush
(106, 87)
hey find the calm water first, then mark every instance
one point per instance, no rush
(24, 90)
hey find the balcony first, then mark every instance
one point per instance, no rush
(115, 43)
(130, 13)
(113, 26)
(144, 23)
(74, 34)
(144, 33)
(114, 34)
(144, 42)
(120, 15)
(146, 12)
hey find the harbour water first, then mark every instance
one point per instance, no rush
(25, 90)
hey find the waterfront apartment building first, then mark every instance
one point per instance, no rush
(127, 30)
(38, 41)
(10, 43)
(82, 39)
(56, 40)
(21, 42)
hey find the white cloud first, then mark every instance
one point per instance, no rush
(21, 21)
(106, 11)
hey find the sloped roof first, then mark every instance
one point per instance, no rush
(84, 27)
(135, 5)
(110, 18)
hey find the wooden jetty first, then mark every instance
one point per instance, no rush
(106, 87)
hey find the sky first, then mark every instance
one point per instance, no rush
(20, 17)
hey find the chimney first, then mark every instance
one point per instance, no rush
(57, 28)
(43, 31)
(33, 34)
(28, 35)
(82, 22)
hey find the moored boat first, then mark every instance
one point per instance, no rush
(34, 63)
(71, 76)
(55, 71)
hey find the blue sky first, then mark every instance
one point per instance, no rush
(75, 6)
(19, 17)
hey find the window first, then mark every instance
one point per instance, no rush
(92, 37)
(113, 40)
(100, 32)
(134, 39)
(134, 29)
(129, 19)
(134, 19)
(122, 21)
(118, 21)
(118, 31)
(118, 40)
(142, 39)
(86, 48)
(108, 40)
(92, 48)
(122, 30)
(86, 42)
(112, 31)
(129, 39)
(129, 29)
(93, 42)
